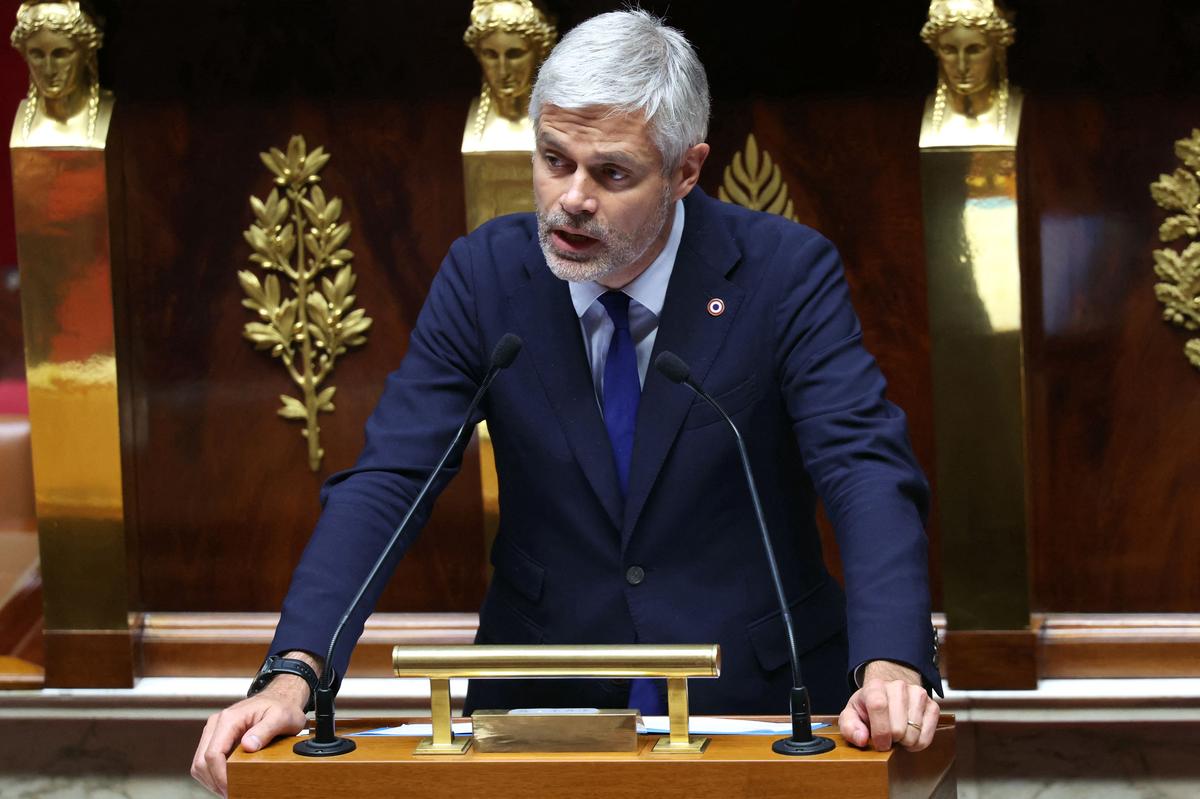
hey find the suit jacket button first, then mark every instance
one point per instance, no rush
(634, 575)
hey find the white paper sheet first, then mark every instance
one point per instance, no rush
(710, 725)
(417, 730)
(659, 725)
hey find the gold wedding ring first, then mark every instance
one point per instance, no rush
(915, 726)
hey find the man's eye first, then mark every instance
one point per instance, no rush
(615, 175)
(552, 161)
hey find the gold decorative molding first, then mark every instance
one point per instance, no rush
(755, 182)
(309, 330)
(1179, 292)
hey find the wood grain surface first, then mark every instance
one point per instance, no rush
(731, 766)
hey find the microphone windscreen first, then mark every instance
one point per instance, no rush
(506, 351)
(672, 367)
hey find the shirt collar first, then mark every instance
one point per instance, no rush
(649, 289)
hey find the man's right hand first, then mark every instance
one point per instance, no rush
(254, 722)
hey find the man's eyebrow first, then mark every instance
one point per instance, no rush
(621, 158)
(548, 140)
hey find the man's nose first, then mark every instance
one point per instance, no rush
(579, 198)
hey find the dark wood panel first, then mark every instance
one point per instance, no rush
(88, 658)
(1125, 645)
(14, 82)
(232, 644)
(1110, 393)
(1090, 646)
(222, 500)
(12, 353)
(20, 611)
(991, 659)
(1065, 645)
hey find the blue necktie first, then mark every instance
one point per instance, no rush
(622, 393)
(622, 389)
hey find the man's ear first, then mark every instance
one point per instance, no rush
(688, 172)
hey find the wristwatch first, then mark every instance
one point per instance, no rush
(277, 664)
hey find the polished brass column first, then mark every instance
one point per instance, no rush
(973, 273)
(60, 188)
(969, 190)
(510, 39)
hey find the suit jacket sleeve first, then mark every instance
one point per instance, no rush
(422, 405)
(855, 447)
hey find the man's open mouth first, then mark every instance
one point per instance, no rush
(573, 242)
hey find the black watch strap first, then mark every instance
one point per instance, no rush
(276, 664)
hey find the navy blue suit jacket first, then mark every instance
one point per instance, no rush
(785, 359)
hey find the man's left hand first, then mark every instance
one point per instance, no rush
(891, 707)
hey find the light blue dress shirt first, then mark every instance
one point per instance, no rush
(646, 293)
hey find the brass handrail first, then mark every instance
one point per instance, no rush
(675, 662)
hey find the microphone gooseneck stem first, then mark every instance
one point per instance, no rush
(327, 675)
(325, 742)
(788, 625)
(802, 741)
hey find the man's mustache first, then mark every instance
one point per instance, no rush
(580, 223)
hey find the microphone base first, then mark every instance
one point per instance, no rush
(814, 746)
(314, 748)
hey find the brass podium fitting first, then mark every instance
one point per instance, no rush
(555, 730)
(675, 662)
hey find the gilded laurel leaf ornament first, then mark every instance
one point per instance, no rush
(1179, 193)
(297, 241)
(754, 181)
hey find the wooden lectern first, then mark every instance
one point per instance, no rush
(731, 766)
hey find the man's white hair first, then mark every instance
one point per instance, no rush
(630, 62)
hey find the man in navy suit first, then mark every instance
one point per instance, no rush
(624, 516)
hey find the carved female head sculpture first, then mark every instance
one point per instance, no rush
(59, 42)
(510, 38)
(970, 39)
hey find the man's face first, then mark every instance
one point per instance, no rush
(507, 61)
(968, 59)
(54, 63)
(602, 199)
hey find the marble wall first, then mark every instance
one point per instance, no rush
(111, 758)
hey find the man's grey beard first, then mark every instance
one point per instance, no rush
(615, 252)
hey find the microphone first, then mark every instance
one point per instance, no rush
(802, 740)
(326, 743)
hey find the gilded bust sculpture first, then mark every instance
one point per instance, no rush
(510, 38)
(974, 105)
(65, 106)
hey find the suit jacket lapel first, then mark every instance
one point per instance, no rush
(553, 342)
(706, 254)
